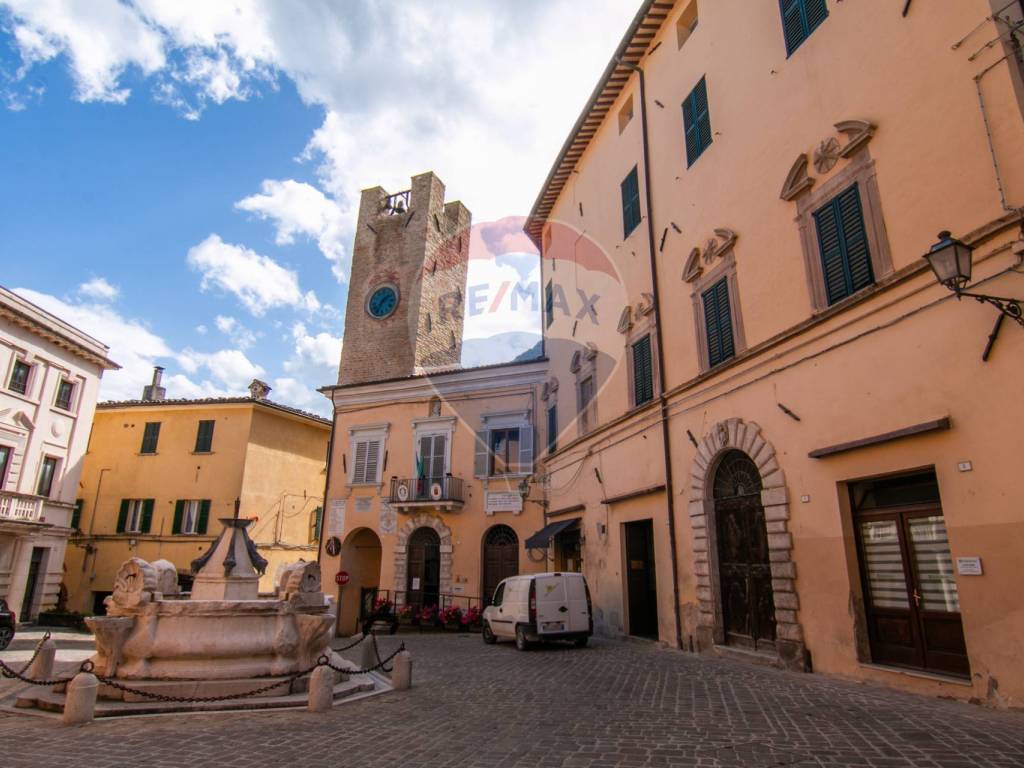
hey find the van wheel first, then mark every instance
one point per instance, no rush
(521, 642)
(581, 642)
(488, 635)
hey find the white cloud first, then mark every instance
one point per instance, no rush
(259, 282)
(98, 288)
(292, 391)
(321, 349)
(297, 208)
(240, 336)
(132, 345)
(230, 367)
(201, 329)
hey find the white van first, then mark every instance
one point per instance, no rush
(538, 608)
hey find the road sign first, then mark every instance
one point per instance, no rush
(341, 578)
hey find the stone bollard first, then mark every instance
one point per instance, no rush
(321, 689)
(80, 700)
(401, 673)
(42, 667)
(367, 655)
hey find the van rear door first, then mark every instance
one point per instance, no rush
(552, 604)
(579, 611)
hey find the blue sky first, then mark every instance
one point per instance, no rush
(181, 177)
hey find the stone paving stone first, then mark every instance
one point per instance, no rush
(611, 705)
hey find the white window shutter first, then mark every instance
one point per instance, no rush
(372, 461)
(359, 467)
(481, 454)
(526, 449)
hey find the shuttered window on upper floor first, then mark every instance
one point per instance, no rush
(718, 323)
(630, 203)
(845, 257)
(366, 461)
(643, 371)
(150, 437)
(697, 122)
(204, 436)
(799, 19)
(552, 428)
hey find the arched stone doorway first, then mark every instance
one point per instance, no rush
(423, 575)
(361, 558)
(744, 572)
(401, 554)
(745, 437)
(500, 558)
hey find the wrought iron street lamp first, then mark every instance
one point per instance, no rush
(950, 260)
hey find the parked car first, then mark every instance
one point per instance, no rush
(538, 608)
(7, 622)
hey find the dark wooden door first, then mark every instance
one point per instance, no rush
(911, 601)
(744, 571)
(501, 558)
(31, 583)
(569, 550)
(423, 577)
(641, 584)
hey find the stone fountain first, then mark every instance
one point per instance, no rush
(223, 640)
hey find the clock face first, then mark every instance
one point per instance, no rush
(382, 301)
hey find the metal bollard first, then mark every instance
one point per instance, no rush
(42, 666)
(80, 700)
(367, 652)
(321, 689)
(401, 673)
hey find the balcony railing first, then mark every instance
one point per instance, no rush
(20, 507)
(426, 490)
(397, 203)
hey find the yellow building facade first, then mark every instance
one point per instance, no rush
(782, 439)
(159, 473)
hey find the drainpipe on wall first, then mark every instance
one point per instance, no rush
(663, 403)
(327, 482)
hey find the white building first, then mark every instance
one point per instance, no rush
(50, 379)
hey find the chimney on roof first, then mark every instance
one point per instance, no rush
(153, 392)
(259, 390)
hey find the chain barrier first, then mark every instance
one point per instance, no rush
(39, 647)
(88, 666)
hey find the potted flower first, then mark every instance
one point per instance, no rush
(472, 619)
(451, 618)
(426, 616)
(382, 606)
(405, 614)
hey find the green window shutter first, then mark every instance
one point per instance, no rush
(697, 122)
(799, 19)
(718, 323)
(842, 240)
(150, 437)
(318, 523)
(552, 428)
(76, 514)
(179, 514)
(204, 516)
(204, 436)
(481, 454)
(643, 372)
(630, 202)
(122, 516)
(549, 304)
(147, 516)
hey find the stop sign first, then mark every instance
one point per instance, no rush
(341, 578)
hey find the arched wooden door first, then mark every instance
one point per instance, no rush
(423, 582)
(501, 558)
(745, 577)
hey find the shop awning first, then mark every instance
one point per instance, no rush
(543, 537)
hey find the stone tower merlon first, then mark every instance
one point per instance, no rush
(415, 246)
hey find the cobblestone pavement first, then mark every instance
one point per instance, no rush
(612, 704)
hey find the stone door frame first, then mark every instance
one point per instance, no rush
(401, 553)
(735, 434)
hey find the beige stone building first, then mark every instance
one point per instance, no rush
(160, 472)
(782, 438)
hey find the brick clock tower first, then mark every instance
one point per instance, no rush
(407, 289)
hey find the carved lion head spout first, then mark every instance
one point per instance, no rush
(135, 583)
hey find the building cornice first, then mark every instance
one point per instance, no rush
(214, 402)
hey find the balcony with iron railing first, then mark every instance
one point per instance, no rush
(444, 493)
(20, 507)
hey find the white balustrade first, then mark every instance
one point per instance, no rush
(15, 506)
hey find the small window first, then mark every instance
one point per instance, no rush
(5, 461)
(504, 448)
(718, 323)
(630, 203)
(845, 257)
(366, 455)
(47, 472)
(697, 122)
(150, 437)
(19, 377)
(191, 516)
(643, 372)
(204, 436)
(65, 394)
(626, 113)
(549, 304)
(552, 428)
(316, 521)
(136, 516)
(76, 515)
(799, 19)
(687, 23)
(586, 397)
